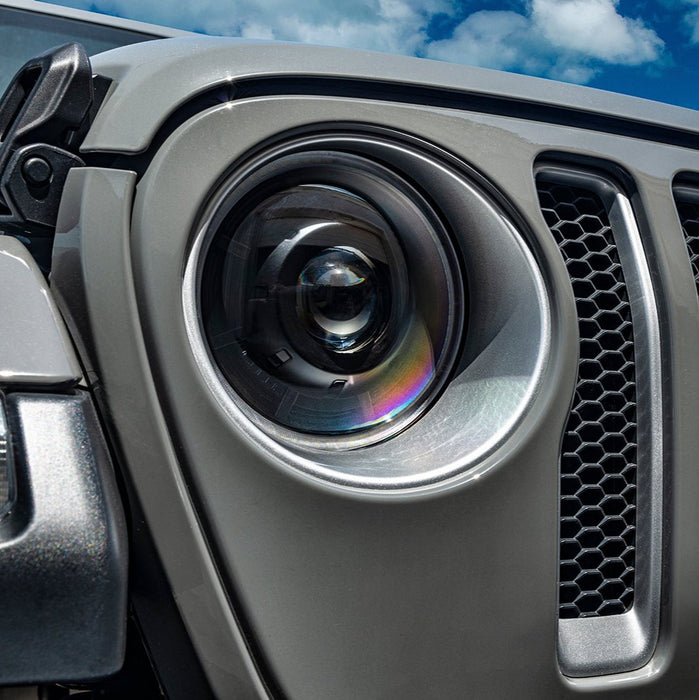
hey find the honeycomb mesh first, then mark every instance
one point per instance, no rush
(689, 216)
(598, 458)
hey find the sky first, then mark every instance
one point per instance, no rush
(647, 48)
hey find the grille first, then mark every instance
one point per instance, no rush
(598, 458)
(688, 210)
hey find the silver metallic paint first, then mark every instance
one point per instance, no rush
(405, 594)
(35, 349)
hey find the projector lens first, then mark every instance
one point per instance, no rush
(339, 299)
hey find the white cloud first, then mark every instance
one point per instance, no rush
(595, 29)
(565, 39)
(691, 20)
(487, 38)
(396, 26)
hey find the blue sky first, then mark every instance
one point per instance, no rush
(648, 48)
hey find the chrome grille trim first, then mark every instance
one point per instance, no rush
(5, 462)
(601, 645)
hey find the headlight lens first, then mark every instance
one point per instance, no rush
(340, 301)
(330, 294)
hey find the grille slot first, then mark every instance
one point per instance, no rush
(687, 201)
(599, 452)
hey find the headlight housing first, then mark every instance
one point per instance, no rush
(331, 296)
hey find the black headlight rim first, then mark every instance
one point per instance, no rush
(260, 179)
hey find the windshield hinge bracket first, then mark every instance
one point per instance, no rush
(44, 116)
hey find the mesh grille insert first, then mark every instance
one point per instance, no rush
(688, 210)
(598, 459)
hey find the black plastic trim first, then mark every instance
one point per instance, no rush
(63, 556)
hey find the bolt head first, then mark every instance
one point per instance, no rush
(37, 171)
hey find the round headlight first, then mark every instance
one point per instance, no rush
(330, 294)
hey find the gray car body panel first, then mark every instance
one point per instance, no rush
(92, 270)
(445, 590)
(35, 348)
(155, 79)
